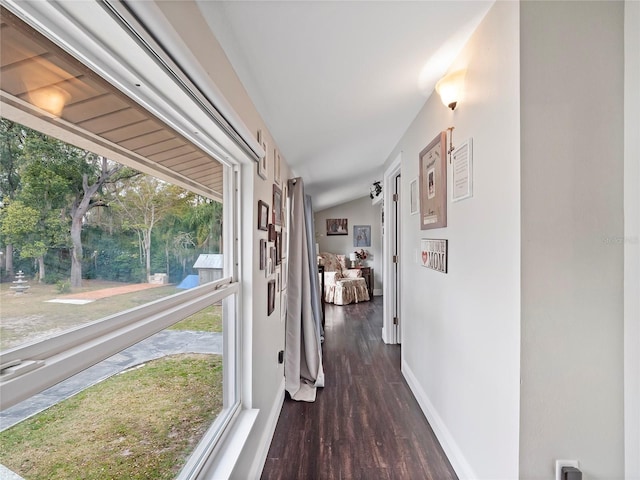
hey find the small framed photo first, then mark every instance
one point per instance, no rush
(272, 260)
(414, 202)
(276, 166)
(362, 235)
(263, 254)
(278, 248)
(277, 205)
(272, 232)
(337, 226)
(271, 297)
(263, 215)
(262, 163)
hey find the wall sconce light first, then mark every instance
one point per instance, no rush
(451, 147)
(450, 88)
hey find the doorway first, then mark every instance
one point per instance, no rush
(391, 243)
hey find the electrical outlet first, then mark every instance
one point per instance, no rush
(565, 463)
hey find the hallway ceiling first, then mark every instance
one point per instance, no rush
(338, 83)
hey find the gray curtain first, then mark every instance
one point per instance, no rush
(303, 348)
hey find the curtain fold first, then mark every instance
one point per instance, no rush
(303, 347)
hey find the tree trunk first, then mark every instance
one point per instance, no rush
(9, 261)
(147, 248)
(41, 272)
(76, 251)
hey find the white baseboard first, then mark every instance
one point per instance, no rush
(449, 445)
(377, 292)
(267, 436)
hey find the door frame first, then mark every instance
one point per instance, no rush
(391, 275)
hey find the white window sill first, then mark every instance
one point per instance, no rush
(227, 453)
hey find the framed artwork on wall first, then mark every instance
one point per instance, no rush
(263, 215)
(277, 205)
(276, 166)
(362, 235)
(263, 254)
(271, 297)
(337, 226)
(435, 254)
(262, 163)
(433, 183)
(462, 171)
(414, 199)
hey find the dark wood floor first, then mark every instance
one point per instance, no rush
(365, 423)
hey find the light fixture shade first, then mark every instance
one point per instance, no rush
(353, 257)
(450, 88)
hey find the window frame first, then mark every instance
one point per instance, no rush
(220, 446)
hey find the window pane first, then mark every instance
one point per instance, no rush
(84, 237)
(138, 414)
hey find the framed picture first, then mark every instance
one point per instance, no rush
(414, 199)
(337, 226)
(278, 248)
(433, 183)
(272, 260)
(271, 297)
(362, 235)
(276, 166)
(272, 232)
(277, 205)
(263, 254)
(435, 254)
(262, 163)
(462, 171)
(263, 215)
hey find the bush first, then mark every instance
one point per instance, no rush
(63, 286)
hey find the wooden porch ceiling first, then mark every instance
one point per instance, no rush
(39, 78)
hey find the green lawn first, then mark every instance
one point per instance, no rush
(141, 424)
(30, 317)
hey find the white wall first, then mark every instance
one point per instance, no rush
(461, 330)
(632, 239)
(572, 105)
(357, 212)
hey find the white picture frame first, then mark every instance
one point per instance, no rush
(262, 162)
(462, 172)
(414, 197)
(276, 166)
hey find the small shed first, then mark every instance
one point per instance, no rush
(209, 266)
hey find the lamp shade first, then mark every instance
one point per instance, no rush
(450, 88)
(353, 257)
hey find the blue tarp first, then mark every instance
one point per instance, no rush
(189, 281)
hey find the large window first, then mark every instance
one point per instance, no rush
(123, 351)
(118, 318)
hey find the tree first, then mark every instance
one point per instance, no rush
(11, 139)
(143, 202)
(206, 218)
(104, 172)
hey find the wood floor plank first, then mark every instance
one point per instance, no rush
(365, 422)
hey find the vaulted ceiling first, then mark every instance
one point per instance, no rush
(338, 82)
